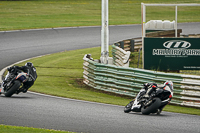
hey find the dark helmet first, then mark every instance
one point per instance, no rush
(29, 64)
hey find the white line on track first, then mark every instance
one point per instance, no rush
(72, 99)
(62, 28)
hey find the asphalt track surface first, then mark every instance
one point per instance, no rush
(43, 111)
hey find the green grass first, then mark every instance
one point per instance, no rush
(134, 60)
(15, 15)
(18, 129)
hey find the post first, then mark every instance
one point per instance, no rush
(143, 19)
(104, 33)
(122, 44)
(143, 8)
(132, 45)
(176, 21)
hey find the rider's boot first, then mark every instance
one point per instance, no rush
(25, 90)
(158, 111)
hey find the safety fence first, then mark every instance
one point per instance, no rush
(132, 45)
(120, 56)
(191, 35)
(128, 81)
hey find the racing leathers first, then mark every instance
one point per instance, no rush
(30, 70)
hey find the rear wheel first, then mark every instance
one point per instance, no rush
(152, 108)
(127, 108)
(13, 88)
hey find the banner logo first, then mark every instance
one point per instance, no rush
(176, 48)
(176, 44)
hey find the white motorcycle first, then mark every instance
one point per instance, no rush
(151, 98)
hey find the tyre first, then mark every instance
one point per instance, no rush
(152, 107)
(127, 108)
(13, 88)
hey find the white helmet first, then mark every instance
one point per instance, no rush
(170, 84)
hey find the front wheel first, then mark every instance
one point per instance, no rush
(127, 108)
(146, 110)
(13, 88)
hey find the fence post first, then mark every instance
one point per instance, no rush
(132, 45)
(116, 44)
(122, 44)
(139, 58)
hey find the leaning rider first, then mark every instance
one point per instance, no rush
(152, 87)
(168, 85)
(30, 70)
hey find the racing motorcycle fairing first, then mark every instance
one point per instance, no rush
(13, 83)
(150, 100)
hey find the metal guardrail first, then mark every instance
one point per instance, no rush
(132, 45)
(128, 81)
(120, 56)
(192, 35)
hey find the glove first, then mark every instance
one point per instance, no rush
(10, 68)
(155, 84)
(147, 84)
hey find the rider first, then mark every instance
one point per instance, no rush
(149, 88)
(30, 70)
(168, 85)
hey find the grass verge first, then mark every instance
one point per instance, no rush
(18, 129)
(33, 14)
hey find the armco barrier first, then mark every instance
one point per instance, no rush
(132, 45)
(120, 56)
(128, 81)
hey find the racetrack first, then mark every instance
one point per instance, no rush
(19, 45)
(42, 111)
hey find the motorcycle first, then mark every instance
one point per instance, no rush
(13, 83)
(151, 99)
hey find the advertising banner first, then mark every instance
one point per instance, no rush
(171, 53)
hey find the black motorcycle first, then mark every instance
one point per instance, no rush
(13, 83)
(151, 99)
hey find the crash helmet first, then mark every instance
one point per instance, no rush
(170, 84)
(29, 64)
